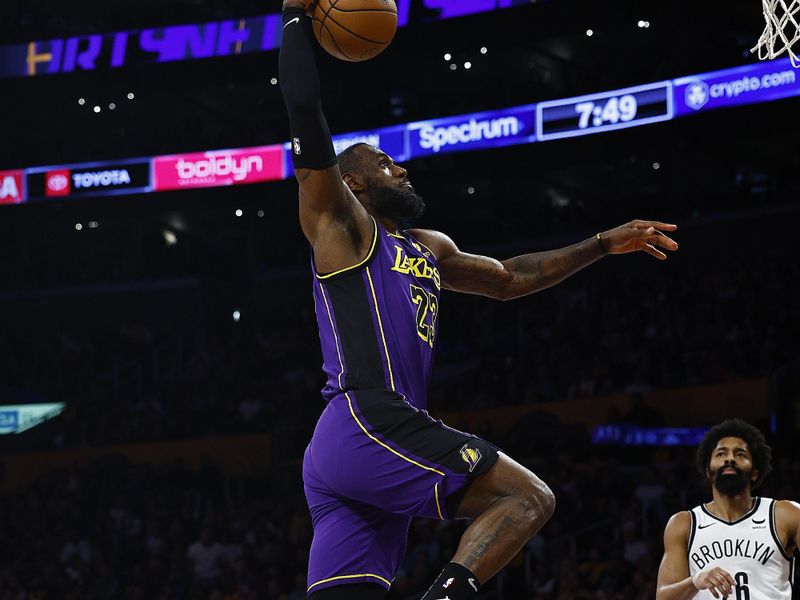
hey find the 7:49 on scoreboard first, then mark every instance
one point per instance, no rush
(605, 111)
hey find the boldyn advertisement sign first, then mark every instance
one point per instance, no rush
(218, 168)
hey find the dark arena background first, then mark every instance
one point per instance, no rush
(158, 347)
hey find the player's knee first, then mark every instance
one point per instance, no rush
(539, 500)
(546, 499)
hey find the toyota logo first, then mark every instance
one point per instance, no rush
(57, 183)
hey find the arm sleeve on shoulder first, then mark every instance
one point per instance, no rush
(312, 147)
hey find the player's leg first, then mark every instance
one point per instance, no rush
(388, 454)
(509, 504)
(356, 547)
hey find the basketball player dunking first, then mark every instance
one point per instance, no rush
(736, 544)
(376, 458)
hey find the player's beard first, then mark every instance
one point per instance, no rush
(730, 484)
(396, 203)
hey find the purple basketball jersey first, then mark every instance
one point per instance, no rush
(378, 319)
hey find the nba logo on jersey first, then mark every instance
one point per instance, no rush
(471, 456)
(296, 146)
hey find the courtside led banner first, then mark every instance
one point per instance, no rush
(218, 168)
(545, 121)
(16, 418)
(11, 187)
(194, 41)
(472, 132)
(762, 82)
(633, 435)
(391, 140)
(97, 179)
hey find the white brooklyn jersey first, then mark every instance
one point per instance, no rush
(748, 549)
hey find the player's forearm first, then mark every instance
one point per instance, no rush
(299, 79)
(297, 64)
(541, 270)
(681, 590)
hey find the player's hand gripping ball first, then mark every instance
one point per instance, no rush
(354, 30)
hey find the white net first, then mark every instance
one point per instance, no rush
(782, 30)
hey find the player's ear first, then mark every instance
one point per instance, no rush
(354, 182)
(754, 476)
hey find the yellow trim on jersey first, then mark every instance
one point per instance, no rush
(395, 235)
(335, 337)
(366, 258)
(389, 448)
(436, 495)
(315, 584)
(380, 326)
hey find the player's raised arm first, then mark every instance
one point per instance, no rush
(674, 581)
(523, 275)
(335, 223)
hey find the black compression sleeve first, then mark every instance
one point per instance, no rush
(312, 147)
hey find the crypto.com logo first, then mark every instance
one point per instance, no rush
(696, 95)
(212, 169)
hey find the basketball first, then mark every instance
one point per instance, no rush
(355, 30)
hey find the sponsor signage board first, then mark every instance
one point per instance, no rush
(16, 418)
(472, 132)
(98, 179)
(391, 140)
(594, 113)
(633, 435)
(195, 40)
(762, 82)
(218, 168)
(12, 190)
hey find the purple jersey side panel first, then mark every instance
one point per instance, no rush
(378, 320)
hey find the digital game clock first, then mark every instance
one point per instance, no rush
(604, 111)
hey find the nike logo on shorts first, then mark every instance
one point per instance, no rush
(295, 20)
(471, 582)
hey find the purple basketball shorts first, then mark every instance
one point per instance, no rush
(374, 462)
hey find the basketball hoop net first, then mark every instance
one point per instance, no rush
(782, 30)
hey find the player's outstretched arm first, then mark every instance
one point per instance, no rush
(523, 275)
(333, 220)
(674, 581)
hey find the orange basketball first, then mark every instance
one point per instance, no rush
(355, 30)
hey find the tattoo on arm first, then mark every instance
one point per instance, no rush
(541, 270)
(512, 278)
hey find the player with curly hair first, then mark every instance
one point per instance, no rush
(738, 543)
